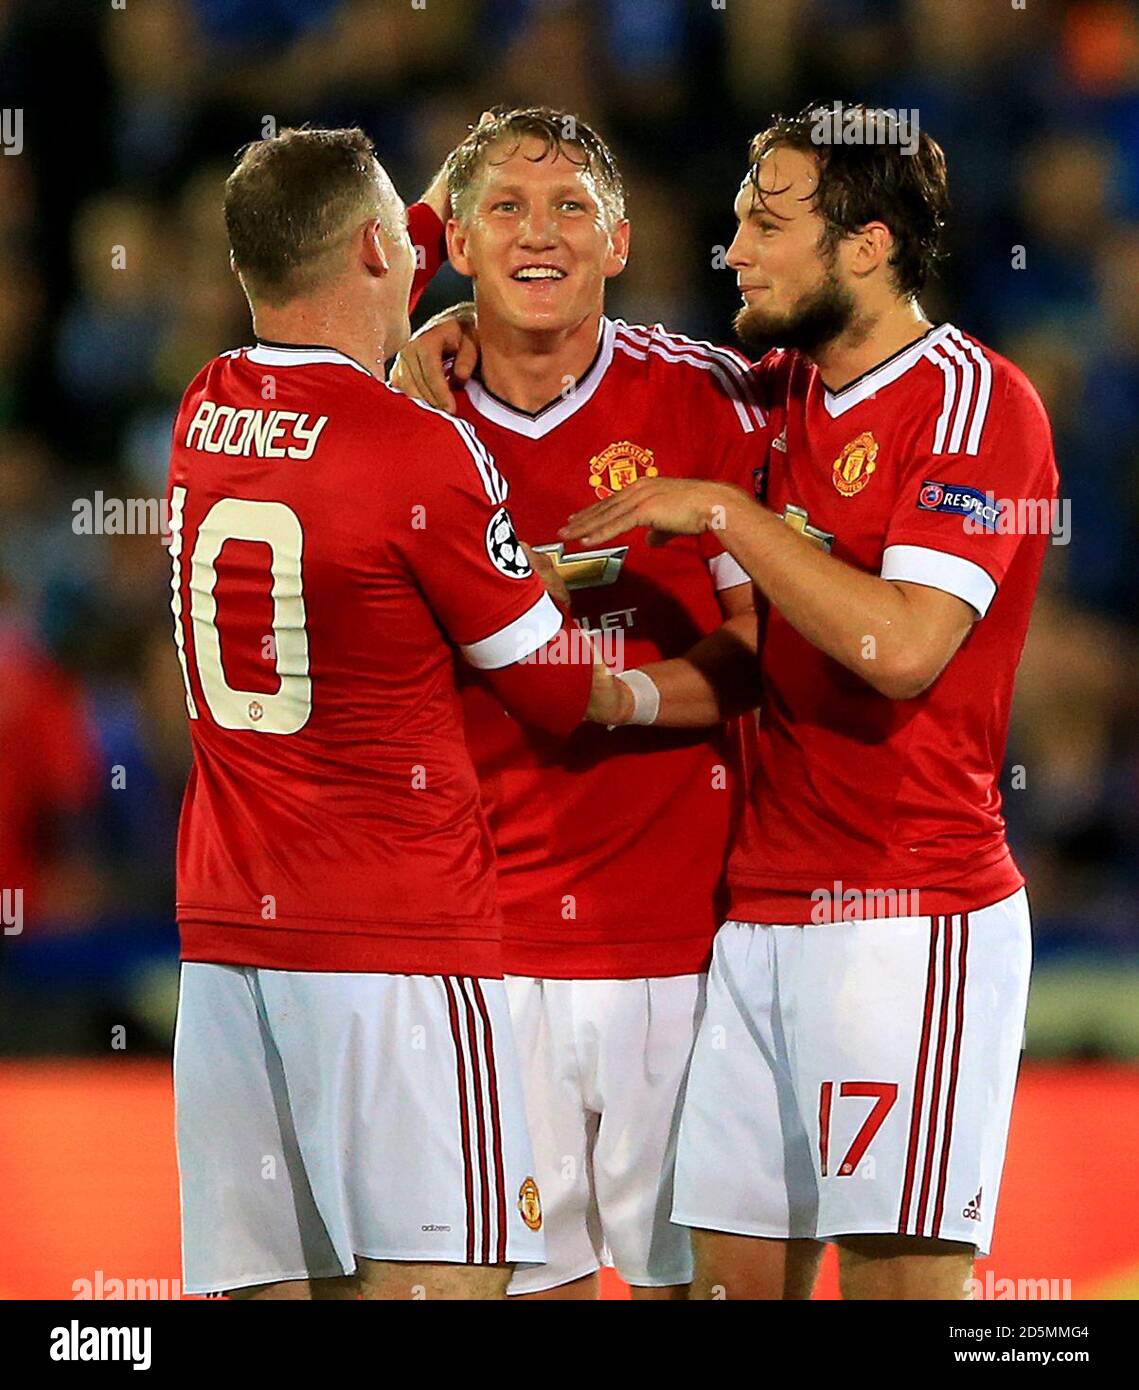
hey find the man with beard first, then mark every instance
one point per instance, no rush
(853, 1077)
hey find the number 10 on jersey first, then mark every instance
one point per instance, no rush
(286, 710)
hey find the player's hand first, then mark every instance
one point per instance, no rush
(610, 700)
(547, 571)
(667, 507)
(437, 195)
(421, 369)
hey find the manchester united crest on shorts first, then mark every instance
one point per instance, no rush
(530, 1204)
(618, 466)
(853, 467)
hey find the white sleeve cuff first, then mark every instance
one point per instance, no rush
(727, 572)
(517, 639)
(936, 569)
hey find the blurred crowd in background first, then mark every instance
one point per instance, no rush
(116, 289)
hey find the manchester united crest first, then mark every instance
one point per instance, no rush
(853, 467)
(530, 1204)
(618, 466)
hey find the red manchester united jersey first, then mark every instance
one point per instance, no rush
(332, 541)
(612, 845)
(935, 468)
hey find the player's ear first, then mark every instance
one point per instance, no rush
(870, 247)
(457, 247)
(618, 253)
(372, 252)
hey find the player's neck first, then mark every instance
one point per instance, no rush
(529, 370)
(311, 324)
(869, 341)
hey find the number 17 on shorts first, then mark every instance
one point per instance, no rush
(856, 1078)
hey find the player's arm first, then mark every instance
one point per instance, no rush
(472, 569)
(444, 351)
(427, 226)
(544, 668)
(520, 643)
(718, 678)
(948, 542)
(897, 636)
(549, 692)
(713, 681)
(525, 693)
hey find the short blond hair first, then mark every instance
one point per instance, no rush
(558, 131)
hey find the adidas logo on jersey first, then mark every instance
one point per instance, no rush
(973, 1211)
(780, 441)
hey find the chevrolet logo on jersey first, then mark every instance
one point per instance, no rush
(796, 518)
(588, 569)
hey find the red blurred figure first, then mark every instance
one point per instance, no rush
(48, 773)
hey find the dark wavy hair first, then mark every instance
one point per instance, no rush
(872, 181)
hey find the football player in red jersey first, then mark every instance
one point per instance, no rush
(854, 1074)
(611, 846)
(349, 1109)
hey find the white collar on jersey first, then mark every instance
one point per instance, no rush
(536, 426)
(862, 387)
(296, 355)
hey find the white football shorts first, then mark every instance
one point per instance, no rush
(856, 1078)
(603, 1066)
(322, 1116)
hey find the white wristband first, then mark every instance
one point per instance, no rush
(646, 696)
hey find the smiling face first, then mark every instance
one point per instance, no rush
(793, 285)
(537, 242)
